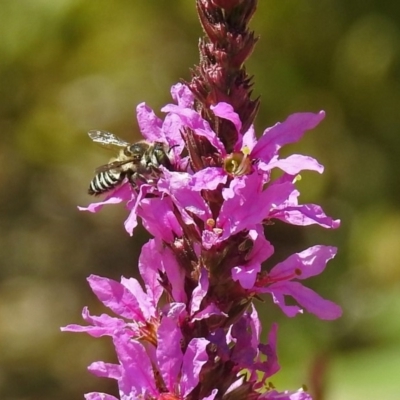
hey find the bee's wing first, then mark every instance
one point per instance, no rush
(112, 165)
(107, 139)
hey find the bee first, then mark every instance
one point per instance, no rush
(138, 162)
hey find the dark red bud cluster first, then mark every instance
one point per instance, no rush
(226, 4)
(221, 75)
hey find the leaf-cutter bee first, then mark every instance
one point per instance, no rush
(138, 162)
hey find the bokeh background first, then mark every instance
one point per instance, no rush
(67, 66)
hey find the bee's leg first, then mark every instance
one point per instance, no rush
(143, 178)
(154, 171)
(137, 179)
(148, 174)
(132, 178)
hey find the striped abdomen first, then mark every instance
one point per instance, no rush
(105, 181)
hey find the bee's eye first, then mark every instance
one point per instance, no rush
(135, 149)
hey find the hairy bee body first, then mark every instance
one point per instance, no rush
(105, 181)
(138, 162)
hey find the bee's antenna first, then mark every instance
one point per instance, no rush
(175, 145)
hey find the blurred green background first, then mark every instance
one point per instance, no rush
(67, 66)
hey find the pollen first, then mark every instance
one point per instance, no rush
(246, 150)
(238, 164)
(210, 223)
(297, 178)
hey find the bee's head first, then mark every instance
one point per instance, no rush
(136, 151)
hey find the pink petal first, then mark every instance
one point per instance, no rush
(193, 120)
(171, 134)
(103, 325)
(137, 376)
(306, 214)
(132, 205)
(294, 164)
(169, 352)
(150, 263)
(122, 193)
(159, 219)
(149, 124)
(182, 95)
(255, 326)
(311, 301)
(131, 222)
(279, 299)
(246, 205)
(193, 360)
(175, 274)
(208, 179)
(199, 292)
(156, 258)
(210, 311)
(249, 140)
(105, 370)
(246, 275)
(289, 131)
(178, 186)
(262, 248)
(226, 111)
(305, 264)
(209, 239)
(144, 301)
(116, 297)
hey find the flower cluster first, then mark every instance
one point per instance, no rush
(206, 254)
(193, 332)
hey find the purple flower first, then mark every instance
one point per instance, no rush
(138, 315)
(164, 372)
(261, 250)
(188, 228)
(279, 282)
(247, 149)
(250, 167)
(246, 351)
(155, 365)
(246, 200)
(249, 199)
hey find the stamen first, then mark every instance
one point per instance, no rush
(266, 279)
